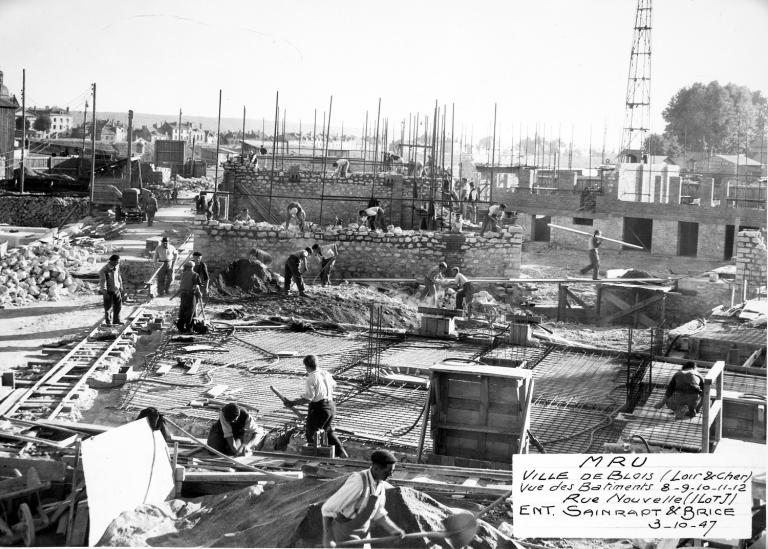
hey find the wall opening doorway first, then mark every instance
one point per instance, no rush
(638, 231)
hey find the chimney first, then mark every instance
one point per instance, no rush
(67, 110)
(1, 78)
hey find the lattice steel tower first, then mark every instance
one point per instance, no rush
(637, 113)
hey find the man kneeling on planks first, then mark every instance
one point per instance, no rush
(235, 431)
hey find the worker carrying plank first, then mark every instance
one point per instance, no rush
(295, 211)
(349, 513)
(684, 392)
(594, 256)
(235, 432)
(319, 387)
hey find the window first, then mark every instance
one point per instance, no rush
(583, 221)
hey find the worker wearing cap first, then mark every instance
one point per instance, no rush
(166, 254)
(492, 218)
(348, 513)
(684, 392)
(235, 432)
(295, 267)
(327, 256)
(111, 287)
(594, 256)
(189, 292)
(322, 409)
(431, 280)
(151, 208)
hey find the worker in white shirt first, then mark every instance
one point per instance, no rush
(493, 217)
(463, 287)
(327, 256)
(166, 254)
(341, 168)
(371, 215)
(348, 514)
(322, 409)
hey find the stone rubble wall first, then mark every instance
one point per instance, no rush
(344, 198)
(367, 254)
(41, 211)
(750, 263)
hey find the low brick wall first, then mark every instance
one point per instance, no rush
(369, 255)
(750, 263)
(41, 211)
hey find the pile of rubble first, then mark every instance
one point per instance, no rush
(41, 211)
(194, 184)
(41, 271)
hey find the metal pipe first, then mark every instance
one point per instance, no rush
(216, 172)
(24, 130)
(322, 192)
(93, 146)
(493, 155)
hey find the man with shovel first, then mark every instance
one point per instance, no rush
(349, 513)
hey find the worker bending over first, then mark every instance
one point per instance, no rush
(327, 256)
(594, 256)
(235, 432)
(341, 168)
(318, 394)
(684, 392)
(464, 290)
(493, 218)
(243, 216)
(349, 513)
(295, 267)
(372, 215)
(296, 212)
(111, 288)
(431, 279)
(189, 293)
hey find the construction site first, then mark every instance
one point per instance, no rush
(458, 334)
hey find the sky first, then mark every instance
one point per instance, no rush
(558, 64)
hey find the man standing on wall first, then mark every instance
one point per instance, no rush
(295, 267)
(493, 217)
(322, 409)
(327, 256)
(341, 168)
(166, 255)
(594, 256)
(111, 287)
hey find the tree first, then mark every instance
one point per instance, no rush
(714, 117)
(663, 144)
(42, 123)
(18, 122)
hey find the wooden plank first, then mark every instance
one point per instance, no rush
(475, 429)
(77, 535)
(216, 391)
(163, 369)
(482, 419)
(576, 298)
(11, 399)
(752, 358)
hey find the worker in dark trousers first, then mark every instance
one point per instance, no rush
(327, 256)
(165, 254)
(684, 392)
(464, 290)
(493, 217)
(322, 409)
(594, 256)
(202, 271)
(295, 267)
(111, 287)
(189, 292)
(371, 216)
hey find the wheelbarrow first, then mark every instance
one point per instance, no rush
(19, 501)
